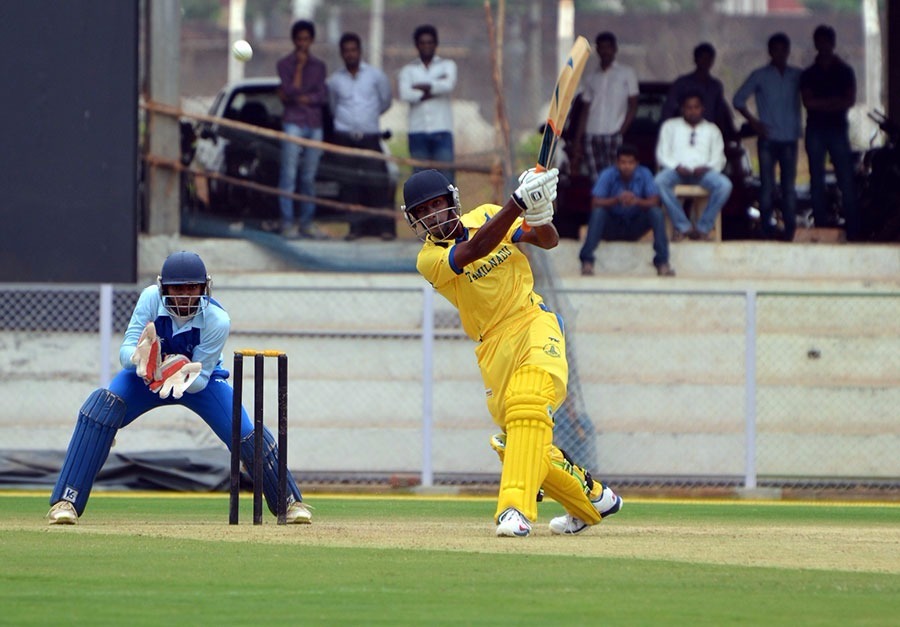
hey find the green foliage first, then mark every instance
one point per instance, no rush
(206, 10)
(845, 6)
(526, 152)
(265, 8)
(659, 6)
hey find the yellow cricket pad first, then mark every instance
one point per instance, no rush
(566, 483)
(569, 485)
(530, 396)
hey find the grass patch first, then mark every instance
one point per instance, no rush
(128, 562)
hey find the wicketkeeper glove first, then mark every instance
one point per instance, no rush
(175, 375)
(146, 356)
(535, 195)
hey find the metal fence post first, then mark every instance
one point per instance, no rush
(427, 384)
(106, 329)
(750, 391)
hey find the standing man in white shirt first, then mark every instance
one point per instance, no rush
(610, 96)
(426, 84)
(358, 94)
(690, 151)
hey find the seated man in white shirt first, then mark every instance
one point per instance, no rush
(690, 151)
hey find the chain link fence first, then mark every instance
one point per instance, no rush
(671, 387)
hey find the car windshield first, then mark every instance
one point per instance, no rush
(261, 107)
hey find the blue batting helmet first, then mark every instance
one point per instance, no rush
(424, 186)
(183, 268)
(419, 189)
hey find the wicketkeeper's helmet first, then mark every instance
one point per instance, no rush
(422, 187)
(184, 268)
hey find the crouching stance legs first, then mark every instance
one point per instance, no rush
(297, 511)
(98, 421)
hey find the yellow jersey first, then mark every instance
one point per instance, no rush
(490, 291)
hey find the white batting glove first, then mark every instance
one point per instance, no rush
(175, 376)
(146, 356)
(536, 190)
(539, 216)
(527, 175)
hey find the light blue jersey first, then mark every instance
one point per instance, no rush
(200, 339)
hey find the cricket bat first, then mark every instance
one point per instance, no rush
(561, 102)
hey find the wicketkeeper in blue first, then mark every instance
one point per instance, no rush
(171, 355)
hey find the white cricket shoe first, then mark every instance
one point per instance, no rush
(608, 504)
(513, 524)
(298, 514)
(63, 513)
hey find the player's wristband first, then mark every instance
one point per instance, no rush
(519, 202)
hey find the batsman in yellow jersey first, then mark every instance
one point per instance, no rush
(474, 262)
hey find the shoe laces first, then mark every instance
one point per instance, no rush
(573, 523)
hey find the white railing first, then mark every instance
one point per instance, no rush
(677, 385)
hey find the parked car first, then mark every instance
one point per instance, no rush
(256, 159)
(738, 221)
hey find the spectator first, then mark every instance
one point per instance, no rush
(776, 89)
(624, 206)
(711, 91)
(426, 84)
(610, 97)
(828, 90)
(690, 151)
(303, 93)
(358, 94)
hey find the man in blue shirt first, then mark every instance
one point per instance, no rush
(776, 89)
(624, 206)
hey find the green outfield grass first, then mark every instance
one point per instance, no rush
(158, 560)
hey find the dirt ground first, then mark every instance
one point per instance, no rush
(826, 547)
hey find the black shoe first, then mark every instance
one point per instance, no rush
(665, 269)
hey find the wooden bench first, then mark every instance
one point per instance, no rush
(699, 197)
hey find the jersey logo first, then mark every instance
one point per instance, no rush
(490, 263)
(552, 350)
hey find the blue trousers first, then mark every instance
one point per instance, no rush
(627, 226)
(717, 184)
(307, 159)
(785, 155)
(89, 448)
(433, 147)
(836, 143)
